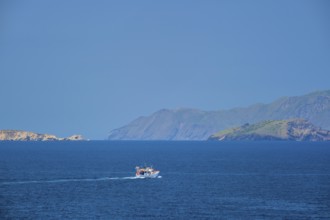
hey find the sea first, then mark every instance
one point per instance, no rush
(198, 180)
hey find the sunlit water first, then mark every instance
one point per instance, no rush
(201, 180)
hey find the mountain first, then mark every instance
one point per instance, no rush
(292, 129)
(192, 124)
(14, 135)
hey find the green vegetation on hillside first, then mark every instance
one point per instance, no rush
(292, 129)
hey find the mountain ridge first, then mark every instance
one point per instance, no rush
(194, 124)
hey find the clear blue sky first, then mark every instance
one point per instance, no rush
(88, 67)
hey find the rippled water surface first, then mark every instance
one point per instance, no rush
(201, 180)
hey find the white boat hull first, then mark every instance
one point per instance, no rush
(148, 175)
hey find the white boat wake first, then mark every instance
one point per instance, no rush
(74, 180)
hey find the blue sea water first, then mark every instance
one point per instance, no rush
(199, 180)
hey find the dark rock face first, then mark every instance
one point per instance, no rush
(288, 130)
(192, 124)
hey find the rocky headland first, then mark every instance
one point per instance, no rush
(285, 130)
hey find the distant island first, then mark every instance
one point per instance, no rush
(286, 130)
(193, 124)
(15, 135)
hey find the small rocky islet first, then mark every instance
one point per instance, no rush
(16, 135)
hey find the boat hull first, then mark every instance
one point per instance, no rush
(148, 175)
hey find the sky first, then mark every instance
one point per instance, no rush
(87, 67)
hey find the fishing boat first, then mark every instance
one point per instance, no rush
(146, 172)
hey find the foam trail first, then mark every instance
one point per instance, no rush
(71, 180)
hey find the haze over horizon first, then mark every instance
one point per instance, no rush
(89, 67)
